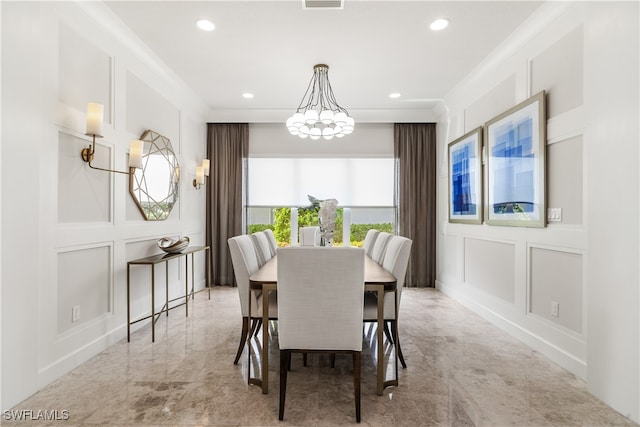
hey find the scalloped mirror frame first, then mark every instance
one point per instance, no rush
(155, 186)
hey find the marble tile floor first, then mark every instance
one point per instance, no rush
(462, 371)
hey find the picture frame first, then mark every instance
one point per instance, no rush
(465, 178)
(515, 165)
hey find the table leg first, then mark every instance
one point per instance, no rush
(166, 286)
(153, 303)
(379, 332)
(128, 303)
(266, 290)
(193, 278)
(186, 285)
(395, 326)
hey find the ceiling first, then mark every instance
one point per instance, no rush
(373, 48)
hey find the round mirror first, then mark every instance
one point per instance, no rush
(154, 186)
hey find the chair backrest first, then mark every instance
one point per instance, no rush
(320, 298)
(309, 236)
(273, 244)
(396, 258)
(263, 250)
(379, 246)
(245, 263)
(369, 240)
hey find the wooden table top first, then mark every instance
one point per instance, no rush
(374, 274)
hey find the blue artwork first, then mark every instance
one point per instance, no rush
(465, 181)
(464, 200)
(515, 165)
(513, 157)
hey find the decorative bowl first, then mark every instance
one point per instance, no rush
(172, 246)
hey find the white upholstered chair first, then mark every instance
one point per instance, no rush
(263, 249)
(379, 246)
(369, 240)
(309, 236)
(273, 244)
(396, 259)
(320, 300)
(245, 262)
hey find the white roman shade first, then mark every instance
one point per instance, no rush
(354, 182)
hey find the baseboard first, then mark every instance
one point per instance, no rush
(566, 360)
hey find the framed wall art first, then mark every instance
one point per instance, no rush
(515, 165)
(465, 178)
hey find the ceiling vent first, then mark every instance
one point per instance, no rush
(323, 4)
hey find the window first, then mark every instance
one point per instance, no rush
(278, 190)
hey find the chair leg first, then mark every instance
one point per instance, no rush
(255, 328)
(356, 382)
(304, 359)
(243, 338)
(285, 359)
(332, 357)
(394, 327)
(388, 333)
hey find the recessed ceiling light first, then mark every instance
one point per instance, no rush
(394, 95)
(205, 25)
(439, 24)
(247, 95)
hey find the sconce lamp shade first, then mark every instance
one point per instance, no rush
(205, 165)
(199, 175)
(135, 153)
(95, 116)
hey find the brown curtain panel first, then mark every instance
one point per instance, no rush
(415, 153)
(227, 148)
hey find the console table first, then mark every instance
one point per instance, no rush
(153, 261)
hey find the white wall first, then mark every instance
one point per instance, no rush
(274, 140)
(68, 231)
(585, 55)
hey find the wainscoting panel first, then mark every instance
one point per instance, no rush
(84, 281)
(84, 72)
(564, 175)
(489, 266)
(84, 195)
(163, 118)
(556, 277)
(563, 84)
(499, 99)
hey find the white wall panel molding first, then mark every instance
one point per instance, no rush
(85, 73)
(84, 195)
(66, 57)
(490, 267)
(497, 100)
(163, 117)
(67, 287)
(514, 53)
(561, 282)
(591, 254)
(563, 85)
(108, 30)
(514, 326)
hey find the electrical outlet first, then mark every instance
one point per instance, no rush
(75, 313)
(555, 309)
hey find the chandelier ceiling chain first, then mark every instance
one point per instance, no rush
(319, 114)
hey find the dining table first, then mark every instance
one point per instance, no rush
(376, 279)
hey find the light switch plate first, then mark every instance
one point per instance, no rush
(554, 214)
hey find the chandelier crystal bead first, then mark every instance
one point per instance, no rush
(318, 114)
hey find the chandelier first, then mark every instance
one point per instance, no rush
(318, 114)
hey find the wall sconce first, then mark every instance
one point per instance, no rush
(201, 172)
(95, 114)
